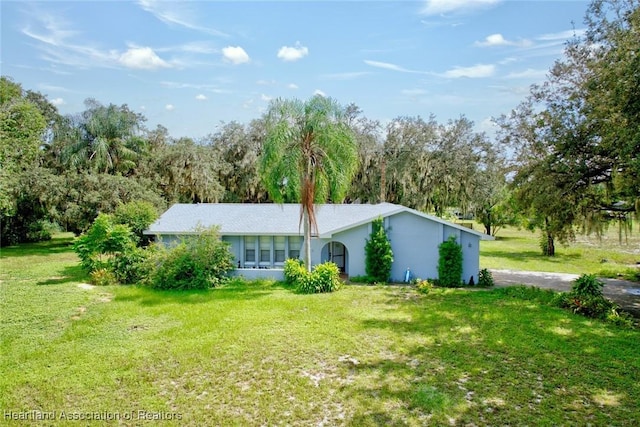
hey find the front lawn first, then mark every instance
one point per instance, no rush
(259, 354)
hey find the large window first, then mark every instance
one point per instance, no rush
(250, 249)
(295, 243)
(278, 245)
(265, 249)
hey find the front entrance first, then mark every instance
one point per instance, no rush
(336, 252)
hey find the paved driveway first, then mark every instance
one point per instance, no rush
(626, 294)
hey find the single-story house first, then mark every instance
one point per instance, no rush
(263, 236)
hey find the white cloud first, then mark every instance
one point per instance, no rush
(201, 97)
(57, 101)
(529, 73)
(265, 98)
(169, 107)
(176, 13)
(473, 72)
(292, 86)
(439, 7)
(290, 54)
(562, 35)
(387, 66)
(266, 82)
(142, 58)
(345, 76)
(498, 40)
(235, 55)
(319, 92)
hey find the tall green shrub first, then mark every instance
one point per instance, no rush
(450, 263)
(379, 256)
(138, 215)
(104, 241)
(198, 262)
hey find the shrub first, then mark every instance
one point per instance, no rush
(423, 286)
(485, 279)
(138, 215)
(103, 277)
(294, 270)
(131, 266)
(102, 242)
(325, 277)
(197, 262)
(587, 285)
(450, 263)
(378, 253)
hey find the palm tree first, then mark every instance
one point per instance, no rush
(309, 156)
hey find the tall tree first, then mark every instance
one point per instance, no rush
(107, 139)
(309, 156)
(577, 136)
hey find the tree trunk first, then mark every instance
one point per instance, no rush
(307, 239)
(551, 248)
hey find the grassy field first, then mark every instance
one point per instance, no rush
(259, 354)
(516, 249)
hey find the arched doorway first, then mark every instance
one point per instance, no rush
(337, 253)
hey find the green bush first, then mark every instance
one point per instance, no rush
(103, 277)
(131, 266)
(485, 279)
(197, 262)
(102, 242)
(325, 277)
(294, 270)
(450, 263)
(587, 285)
(138, 215)
(378, 253)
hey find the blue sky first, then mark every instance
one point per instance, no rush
(191, 65)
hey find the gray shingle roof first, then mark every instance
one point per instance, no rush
(273, 219)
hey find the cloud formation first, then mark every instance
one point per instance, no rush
(201, 97)
(440, 7)
(387, 66)
(290, 54)
(473, 72)
(142, 58)
(169, 107)
(499, 40)
(235, 55)
(176, 13)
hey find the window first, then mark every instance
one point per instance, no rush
(295, 243)
(250, 249)
(278, 244)
(265, 249)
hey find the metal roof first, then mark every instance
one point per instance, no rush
(275, 219)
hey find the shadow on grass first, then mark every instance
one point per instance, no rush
(70, 274)
(53, 246)
(236, 290)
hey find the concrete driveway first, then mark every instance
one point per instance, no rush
(624, 293)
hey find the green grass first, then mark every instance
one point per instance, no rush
(260, 354)
(516, 249)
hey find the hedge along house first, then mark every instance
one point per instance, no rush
(263, 236)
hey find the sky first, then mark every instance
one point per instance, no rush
(191, 66)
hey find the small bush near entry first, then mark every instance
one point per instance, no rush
(378, 253)
(198, 262)
(485, 279)
(450, 263)
(294, 270)
(325, 277)
(131, 266)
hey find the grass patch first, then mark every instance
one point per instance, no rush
(260, 354)
(516, 249)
